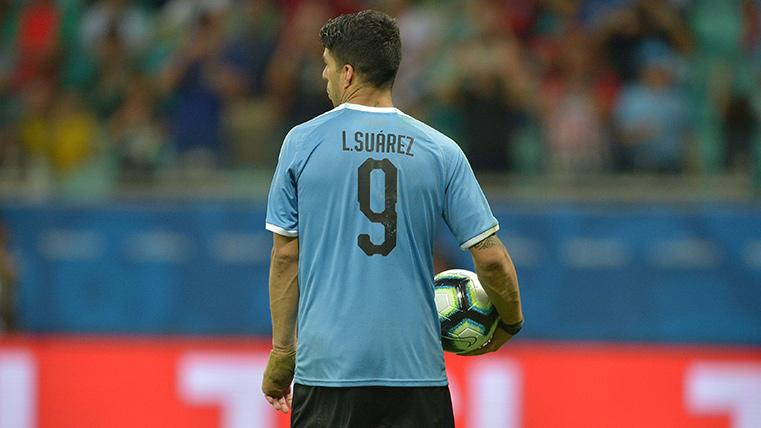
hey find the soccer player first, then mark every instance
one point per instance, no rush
(357, 197)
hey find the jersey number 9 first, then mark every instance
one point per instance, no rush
(387, 217)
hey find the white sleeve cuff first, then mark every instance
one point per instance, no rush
(478, 238)
(280, 231)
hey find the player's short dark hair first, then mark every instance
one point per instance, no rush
(368, 41)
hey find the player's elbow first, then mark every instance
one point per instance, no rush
(285, 250)
(284, 257)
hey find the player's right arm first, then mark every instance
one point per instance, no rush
(283, 220)
(284, 302)
(497, 275)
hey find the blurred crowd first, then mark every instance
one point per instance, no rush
(116, 90)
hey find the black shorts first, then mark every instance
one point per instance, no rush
(371, 407)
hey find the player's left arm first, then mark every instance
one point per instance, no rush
(497, 275)
(284, 302)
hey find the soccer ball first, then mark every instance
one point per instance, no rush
(468, 318)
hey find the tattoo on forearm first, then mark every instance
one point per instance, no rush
(491, 241)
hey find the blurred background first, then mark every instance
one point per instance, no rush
(618, 141)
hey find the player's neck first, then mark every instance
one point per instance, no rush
(369, 96)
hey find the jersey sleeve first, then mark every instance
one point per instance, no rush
(466, 210)
(282, 202)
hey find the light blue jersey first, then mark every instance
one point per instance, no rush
(365, 190)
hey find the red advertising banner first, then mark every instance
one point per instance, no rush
(115, 383)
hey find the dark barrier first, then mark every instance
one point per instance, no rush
(688, 273)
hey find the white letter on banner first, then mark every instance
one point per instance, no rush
(733, 388)
(495, 395)
(17, 390)
(231, 381)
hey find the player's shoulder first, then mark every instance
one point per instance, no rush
(304, 131)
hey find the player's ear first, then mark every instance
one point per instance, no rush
(349, 75)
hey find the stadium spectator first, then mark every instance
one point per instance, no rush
(138, 139)
(651, 116)
(197, 80)
(8, 23)
(251, 118)
(37, 98)
(721, 81)
(294, 73)
(72, 133)
(425, 28)
(179, 15)
(10, 150)
(572, 108)
(120, 19)
(255, 32)
(626, 29)
(740, 125)
(492, 87)
(114, 71)
(37, 42)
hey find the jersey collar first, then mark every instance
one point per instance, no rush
(368, 108)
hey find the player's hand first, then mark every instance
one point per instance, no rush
(499, 338)
(283, 403)
(276, 382)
